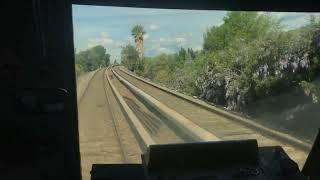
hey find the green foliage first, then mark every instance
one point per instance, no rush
(79, 69)
(311, 89)
(177, 71)
(246, 59)
(159, 68)
(91, 59)
(137, 31)
(257, 59)
(238, 27)
(185, 55)
(130, 58)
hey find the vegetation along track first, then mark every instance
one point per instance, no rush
(225, 127)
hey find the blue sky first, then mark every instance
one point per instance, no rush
(167, 30)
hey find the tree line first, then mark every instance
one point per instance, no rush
(249, 57)
(91, 59)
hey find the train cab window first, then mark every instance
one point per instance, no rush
(159, 76)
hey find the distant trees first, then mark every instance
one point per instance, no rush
(130, 57)
(91, 59)
(133, 57)
(184, 54)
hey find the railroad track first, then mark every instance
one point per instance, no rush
(154, 125)
(104, 134)
(116, 128)
(121, 114)
(222, 126)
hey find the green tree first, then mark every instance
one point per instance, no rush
(130, 57)
(92, 59)
(246, 59)
(137, 32)
(181, 55)
(106, 60)
(79, 69)
(239, 26)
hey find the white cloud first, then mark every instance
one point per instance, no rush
(104, 40)
(90, 45)
(146, 36)
(119, 44)
(180, 40)
(164, 50)
(107, 41)
(185, 34)
(93, 42)
(197, 48)
(93, 39)
(104, 34)
(167, 39)
(112, 46)
(154, 46)
(130, 38)
(163, 40)
(291, 20)
(154, 27)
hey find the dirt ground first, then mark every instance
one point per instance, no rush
(98, 141)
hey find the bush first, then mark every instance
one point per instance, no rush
(91, 59)
(246, 59)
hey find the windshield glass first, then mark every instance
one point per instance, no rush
(158, 76)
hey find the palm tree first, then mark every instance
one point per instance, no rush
(137, 32)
